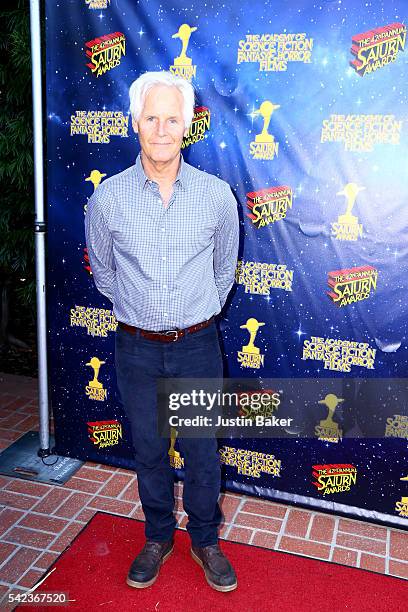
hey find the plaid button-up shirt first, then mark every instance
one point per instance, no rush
(163, 268)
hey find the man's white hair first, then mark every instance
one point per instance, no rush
(139, 88)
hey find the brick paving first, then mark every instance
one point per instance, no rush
(38, 521)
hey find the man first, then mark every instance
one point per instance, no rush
(162, 240)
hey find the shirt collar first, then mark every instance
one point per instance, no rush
(181, 178)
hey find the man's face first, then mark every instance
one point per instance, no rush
(160, 126)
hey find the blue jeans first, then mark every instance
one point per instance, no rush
(139, 362)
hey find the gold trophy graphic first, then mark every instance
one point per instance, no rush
(183, 34)
(95, 363)
(265, 110)
(350, 192)
(404, 500)
(95, 178)
(252, 325)
(173, 453)
(331, 401)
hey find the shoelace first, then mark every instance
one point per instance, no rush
(152, 547)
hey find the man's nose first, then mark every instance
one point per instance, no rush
(161, 128)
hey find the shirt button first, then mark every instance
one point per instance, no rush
(159, 201)
(163, 259)
(165, 314)
(163, 229)
(164, 286)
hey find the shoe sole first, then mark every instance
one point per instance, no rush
(217, 587)
(144, 585)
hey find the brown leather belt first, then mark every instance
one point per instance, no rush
(172, 335)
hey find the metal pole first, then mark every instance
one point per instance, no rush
(40, 229)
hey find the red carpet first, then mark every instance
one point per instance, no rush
(94, 568)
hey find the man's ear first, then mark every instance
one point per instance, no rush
(134, 125)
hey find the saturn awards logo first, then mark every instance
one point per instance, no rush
(377, 48)
(250, 355)
(183, 65)
(334, 478)
(175, 458)
(250, 406)
(264, 146)
(347, 226)
(94, 389)
(105, 52)
(352, 285)
(199, 126)
(402, 506)
(97, 5)
(95, 177)
(105, 433)
(328, 430)
(269, 205)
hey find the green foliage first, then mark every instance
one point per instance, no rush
(17, 254)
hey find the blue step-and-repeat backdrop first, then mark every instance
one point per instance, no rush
(302, 108)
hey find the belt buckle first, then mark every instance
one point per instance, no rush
(173, 331)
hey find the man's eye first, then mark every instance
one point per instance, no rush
(150, 118)
(173, 120)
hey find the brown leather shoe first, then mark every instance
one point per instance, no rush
(145, 568)
(218, 570)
